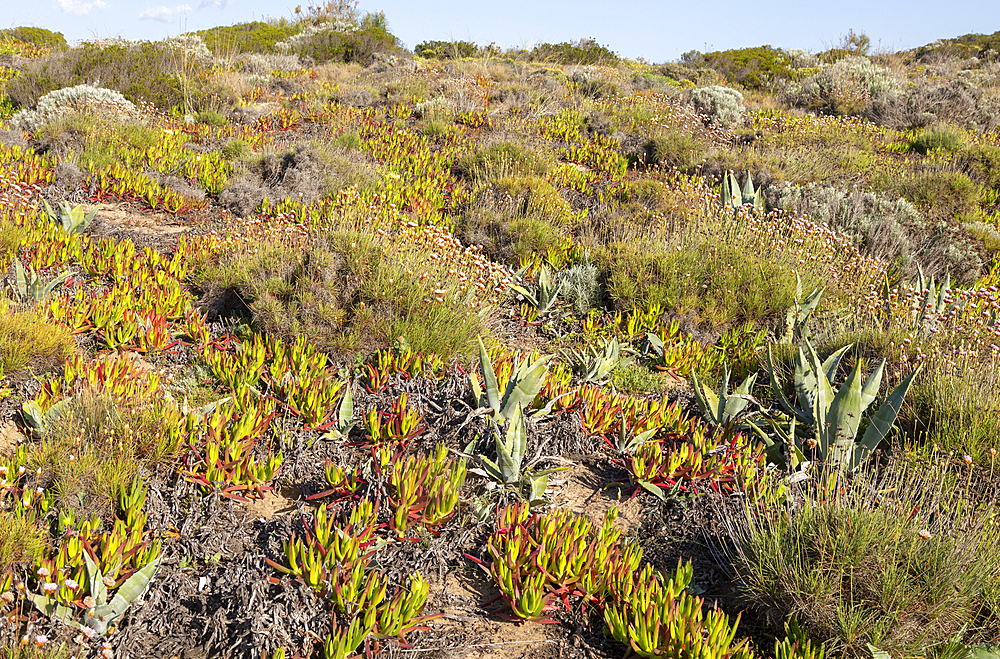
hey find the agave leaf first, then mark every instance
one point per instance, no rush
(492, 469)
(870, 390)
(133, 588)
(514, 449)
(943, 292)
(53, 609)
(21, 277)
(477, 390)
(832, 363)
(811, 302)
(707, 401)
(346, 412)
(655, 344)
(33, 415)
(822, 400)
(527, 295)
(883, 419)
(489, 377)
(984, 652)
(653, 489)
(629, 446)
(522, 388)
(841, 426)
(748, 191)
(97, 588)
(876, 653)
(534, 485)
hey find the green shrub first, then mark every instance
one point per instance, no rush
(29, 341)
(955, 409)
(584, 51)
(754, 68)
(983, 164)
(446, 49)
(333, 42)
(150, 71)
(942, 137)
(636, 379)
(847, 87)
(255, 37)
(345, 293)
(36, 36)
(718, 284)
(81, 99)
(20, 541)
(581, 286)
(532, 235)
(940, 194)
(673, 148)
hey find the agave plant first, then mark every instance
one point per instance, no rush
(548, 291)
(345, 417)
(522, 388)
(596, 365)
(509, 469)
(102, 616)
(72, 219)
(733, 197)
(836, 417)
(723, 407)
(935, 304)
(29, 286)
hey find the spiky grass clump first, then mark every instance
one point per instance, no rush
(903, 560)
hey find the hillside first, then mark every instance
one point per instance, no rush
(313, 346)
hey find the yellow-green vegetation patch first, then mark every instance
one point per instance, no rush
(29, 340)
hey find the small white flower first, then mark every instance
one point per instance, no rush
(71, 584)
(88, 632)
(50, 587)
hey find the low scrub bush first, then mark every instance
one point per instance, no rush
(500, 160)
(584, 51)
(530, 196)
(151, 71)
(755, 68)
(941, 194)
(255, 37)
(883, 226)
(722, 105)
(847, 87)
(673, 148)
(36, 36)
(717, 284)
(346, 293)
(340, 42)
(29, 341)
(942, 137)
(446, 49)
(81, 99)
(901, 562)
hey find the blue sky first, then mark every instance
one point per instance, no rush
(658, 30)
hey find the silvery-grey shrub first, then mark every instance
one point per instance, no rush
(724, 106)
(81, 98)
